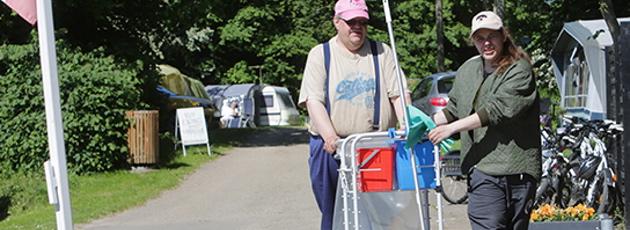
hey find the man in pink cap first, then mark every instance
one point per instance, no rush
(349, 86)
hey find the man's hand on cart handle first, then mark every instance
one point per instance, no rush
(402, 128)
(330, 143)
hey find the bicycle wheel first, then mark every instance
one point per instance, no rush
(542, 192)
(454, 184)
(454, 189)
(562, 194)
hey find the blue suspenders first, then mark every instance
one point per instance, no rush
(327, 64)
(377, 76)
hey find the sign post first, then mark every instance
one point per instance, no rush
(191, 124)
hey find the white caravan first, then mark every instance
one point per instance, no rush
(277, 107)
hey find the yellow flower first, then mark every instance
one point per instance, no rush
(534, 216)
(590, 211)
(573, 212)
(546, 210)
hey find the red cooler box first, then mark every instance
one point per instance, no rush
(376, 169)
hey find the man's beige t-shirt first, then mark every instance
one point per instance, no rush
(352, 86)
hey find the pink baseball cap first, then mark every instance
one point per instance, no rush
(350, 9)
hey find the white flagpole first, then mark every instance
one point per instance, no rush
(54, 125)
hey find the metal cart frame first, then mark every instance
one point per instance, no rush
(348, 150)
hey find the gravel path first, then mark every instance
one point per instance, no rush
(255, 186)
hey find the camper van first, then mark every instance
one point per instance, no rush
(277, 107)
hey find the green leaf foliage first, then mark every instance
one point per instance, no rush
(220, 42)
(95, 92)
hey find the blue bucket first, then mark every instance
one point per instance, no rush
(424, 166)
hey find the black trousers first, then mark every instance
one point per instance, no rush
(500, 202)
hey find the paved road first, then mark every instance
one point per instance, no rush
(261, 185)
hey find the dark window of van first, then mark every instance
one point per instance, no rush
(268, 101)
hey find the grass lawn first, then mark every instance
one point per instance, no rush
(99, 195)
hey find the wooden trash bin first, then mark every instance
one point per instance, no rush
(142, 137)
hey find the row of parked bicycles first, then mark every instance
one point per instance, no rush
(577, 167)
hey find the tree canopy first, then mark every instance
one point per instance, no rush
(221, 41)
(117, 44)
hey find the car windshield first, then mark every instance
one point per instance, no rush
(445, 84)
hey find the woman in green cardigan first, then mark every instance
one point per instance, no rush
(494, 106)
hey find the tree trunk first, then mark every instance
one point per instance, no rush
(499, 8)
(608, 13)
(439, 27)
(614, 82)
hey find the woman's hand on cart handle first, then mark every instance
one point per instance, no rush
(440, 133)
(330, 143)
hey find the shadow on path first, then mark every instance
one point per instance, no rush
(264, 136)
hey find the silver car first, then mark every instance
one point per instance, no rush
(431, 94)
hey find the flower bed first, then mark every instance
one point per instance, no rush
(579, 217)
(549, 212)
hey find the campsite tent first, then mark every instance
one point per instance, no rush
(249, 96)
(180, 91)
(264, 105)
(580, 59)
(215, 92)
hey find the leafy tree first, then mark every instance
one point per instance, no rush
(95, 92)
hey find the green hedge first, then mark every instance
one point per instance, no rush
(95, 92)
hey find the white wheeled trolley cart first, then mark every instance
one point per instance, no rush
(376, 182)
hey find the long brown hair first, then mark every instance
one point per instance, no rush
(511, 52)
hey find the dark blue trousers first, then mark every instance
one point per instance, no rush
(500, 202)
(323, 169)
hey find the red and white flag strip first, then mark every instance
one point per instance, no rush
(25, 8)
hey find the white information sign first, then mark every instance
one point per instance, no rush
(191, 124)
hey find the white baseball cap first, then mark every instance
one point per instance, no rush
(485, 20)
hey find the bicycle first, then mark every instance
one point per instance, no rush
(454, 184)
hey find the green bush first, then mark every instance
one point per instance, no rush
(95, 92)
(20, 191)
